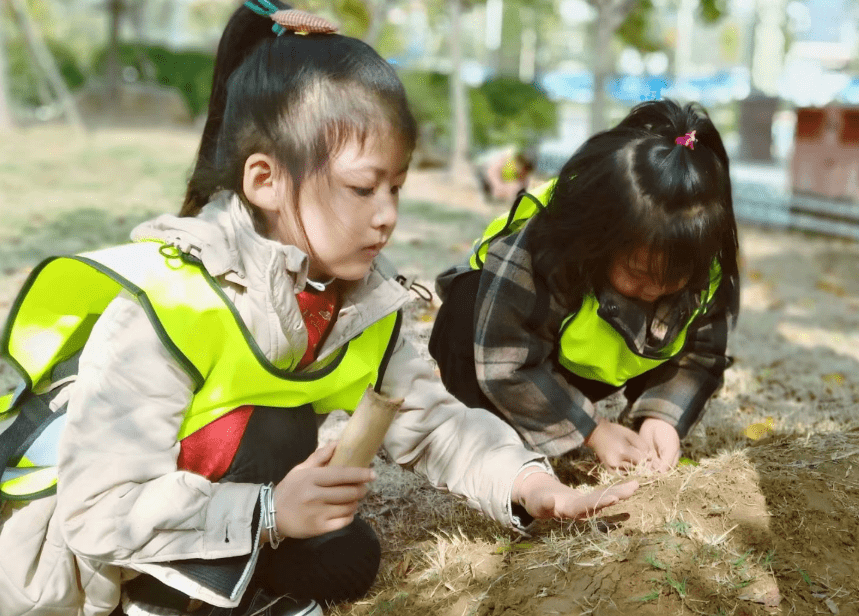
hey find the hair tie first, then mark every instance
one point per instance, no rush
(688, 140)
(291, 20)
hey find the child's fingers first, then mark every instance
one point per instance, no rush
(318, 458)
(582, 506)
(599, 499)
(637, 442)
(554, 500)
(633, 455)
(659, 465)
(623, 490)
(344, 476)
(336, 523)
(657, 461)
(344, 494)
(665, 457)
(341, 512)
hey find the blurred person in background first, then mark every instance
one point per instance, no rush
(502, 173)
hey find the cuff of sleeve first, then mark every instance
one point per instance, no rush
(654, 409)
(219, 580)
(256, 526)
(230, 520)
(518, 517)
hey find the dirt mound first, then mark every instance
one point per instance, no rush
(770, 529)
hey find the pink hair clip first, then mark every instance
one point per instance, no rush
(688, 140)
(301, 22)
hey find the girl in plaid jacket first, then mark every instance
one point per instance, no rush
(620, 274)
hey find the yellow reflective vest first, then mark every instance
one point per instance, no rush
(63, 297)
(589, 346)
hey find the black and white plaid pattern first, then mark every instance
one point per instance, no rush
(517, 323)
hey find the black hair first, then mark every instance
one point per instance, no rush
(297, 98)
(633, 185)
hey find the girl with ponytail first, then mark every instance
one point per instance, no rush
(183, 374)
(619, 274)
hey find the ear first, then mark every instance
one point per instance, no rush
(261, 183)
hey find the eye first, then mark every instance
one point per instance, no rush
(395, 190)
(361, 191)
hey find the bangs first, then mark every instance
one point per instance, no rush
(686, 246)
(679, 210)
(330, 115)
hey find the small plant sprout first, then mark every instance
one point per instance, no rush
(654, 562)
(679, 526)
(391, 606)
(741, 566)
(651, 596)
(741, 561)
(678, 586)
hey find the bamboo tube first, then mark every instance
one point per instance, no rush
(365, 430)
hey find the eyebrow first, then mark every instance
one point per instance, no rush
(379, 170)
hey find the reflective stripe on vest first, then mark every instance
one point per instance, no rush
(589, 346)
(55, 311)
(34, 471)
(525, 207)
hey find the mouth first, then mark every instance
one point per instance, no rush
(375, 249)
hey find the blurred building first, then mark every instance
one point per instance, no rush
(817, 64)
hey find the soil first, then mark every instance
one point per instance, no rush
(770, 531)
(763, 520)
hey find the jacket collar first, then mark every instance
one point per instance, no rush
(223, 237)
(647, 328)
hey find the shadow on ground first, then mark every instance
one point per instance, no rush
(67, 233)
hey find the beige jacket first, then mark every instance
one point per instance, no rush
(122, 506)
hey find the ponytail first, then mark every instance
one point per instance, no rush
(296, 97)
(243, 33)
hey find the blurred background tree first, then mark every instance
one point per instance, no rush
(476, 70)
(631, 22)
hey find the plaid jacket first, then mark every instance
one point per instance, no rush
(517, 326)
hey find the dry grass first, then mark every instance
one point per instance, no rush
(752, 524)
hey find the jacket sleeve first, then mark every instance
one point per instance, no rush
(468, 452)
(121, 498)
(678, 390)
(515, 351)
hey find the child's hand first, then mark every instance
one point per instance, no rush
(543, 496)
(664, 442)
(314, 499)
(617, 446)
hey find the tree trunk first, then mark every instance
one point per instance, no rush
(111, 90)
(47, 64)
(610, 16)
(377, 10)
(685, 32)
(460, 169)
(603, 62)
(768, 54)
(494, 32)
(6, 122)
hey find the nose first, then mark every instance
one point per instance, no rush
(385, 216)
(650, 291)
